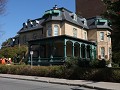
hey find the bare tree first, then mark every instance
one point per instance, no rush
(2, 6)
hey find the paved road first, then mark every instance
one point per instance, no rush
(14, 84)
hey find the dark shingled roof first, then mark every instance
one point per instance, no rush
(67, 16)
(92, 23)
(39, 26)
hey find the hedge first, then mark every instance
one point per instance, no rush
(77, 73)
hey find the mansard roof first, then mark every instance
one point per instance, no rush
(33, 26)
(98, 22)
(62, 14)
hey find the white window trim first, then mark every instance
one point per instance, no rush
(74, 32)
(102, 36)
(85, 35)
(102, 57)
(54, 33)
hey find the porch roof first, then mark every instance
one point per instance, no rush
(60, 38)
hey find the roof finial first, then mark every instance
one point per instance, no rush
(55, 7)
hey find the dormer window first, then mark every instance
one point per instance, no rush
(36, 22)
(74, 16)
(24, 25)
(29, 23)
(84, 21)
(101, 22)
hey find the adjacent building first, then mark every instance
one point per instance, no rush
(90, 8)
(60, 34)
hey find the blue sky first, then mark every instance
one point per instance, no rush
(18, 11)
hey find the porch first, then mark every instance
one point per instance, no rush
(55, 50)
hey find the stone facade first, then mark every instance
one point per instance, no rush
(61, 33)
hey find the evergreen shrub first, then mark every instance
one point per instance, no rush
(73, 72)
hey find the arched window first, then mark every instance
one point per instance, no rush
(56, 30)
(49, 31)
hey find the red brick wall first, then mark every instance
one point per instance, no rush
(89, 8)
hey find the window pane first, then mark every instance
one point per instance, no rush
(56, 30)
(102, 52)
(101, 35)
(49, 31)
(85, 35)
(74, 32)
(109, 38)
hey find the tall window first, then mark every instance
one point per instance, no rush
(109, 38)
(74, 32)
(49, 31)
(56, 30)
(102, 52)
(24, 39)
(85, 35)
(101, 36)
(35, 36)
(110, 52)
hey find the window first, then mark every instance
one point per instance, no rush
(110, 52)
(102, 52)
(100, 23)
(85, 35)
(36, 22)
(74, 16)
(24, 25)
(74, 32)
(24, 39)
(42, 31)
(101, 36)
(109, 37)
(49, 31)
(56, 30)
(35, 36)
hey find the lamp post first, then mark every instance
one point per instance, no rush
(31, 53)
(13, 42)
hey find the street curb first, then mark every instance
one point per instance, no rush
(53, 82)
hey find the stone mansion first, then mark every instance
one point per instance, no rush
(60, 33)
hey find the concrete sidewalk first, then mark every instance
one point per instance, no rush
(84, 83)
